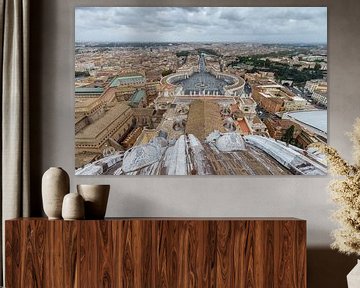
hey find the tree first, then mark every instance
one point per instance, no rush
(183, 53)
(267, 63)
(317, 66)
(166, 72)
(82, 74)
(289, 134)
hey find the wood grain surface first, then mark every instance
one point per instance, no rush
(157, 253)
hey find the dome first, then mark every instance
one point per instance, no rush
(183, 110)
(213, 136)
(159, 141)
(141, 156)
(229, 142)
(229, 124)
(179, 124)
(225, 110)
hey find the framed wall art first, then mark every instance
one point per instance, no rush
(200, 90)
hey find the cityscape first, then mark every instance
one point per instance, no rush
(190, 91)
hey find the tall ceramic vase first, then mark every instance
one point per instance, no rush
(353, 278)
(96, 198)
(55, 185)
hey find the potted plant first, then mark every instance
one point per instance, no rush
(345, 192)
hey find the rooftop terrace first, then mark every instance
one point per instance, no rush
(127, 80)
(137, 97)
(88, 90)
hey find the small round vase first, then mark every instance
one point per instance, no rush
(96, 198)
(55, 185)
(73, 207)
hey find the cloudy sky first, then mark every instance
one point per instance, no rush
(202, 24)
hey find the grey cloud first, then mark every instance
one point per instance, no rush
(190, 9)
(201, 23)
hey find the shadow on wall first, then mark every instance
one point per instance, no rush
(36, 48)
(328, 268)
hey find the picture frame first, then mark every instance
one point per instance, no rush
(190, 91)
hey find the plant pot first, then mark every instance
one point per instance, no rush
(55, 185)
(95, 197)
(73, 207)
(353, 278)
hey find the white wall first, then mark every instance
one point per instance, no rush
(295, 196)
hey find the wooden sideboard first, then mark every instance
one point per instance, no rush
(156, 252)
